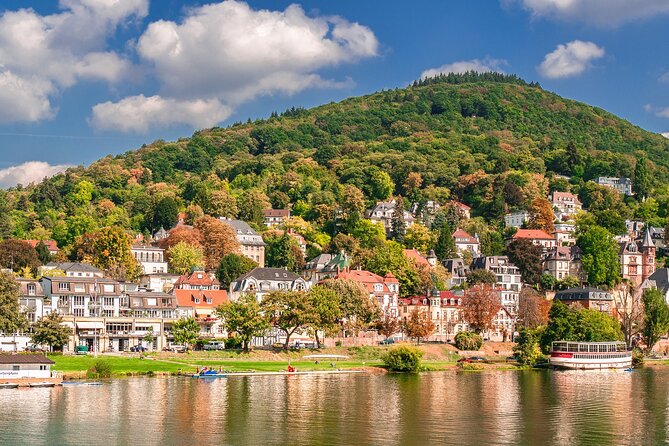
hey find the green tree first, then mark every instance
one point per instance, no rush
(245, 317)
(445, 246)
(232, 266)
(185, 331)
(528, 347)
(50, 331)
(600, 256)
(110, 250)
(468, 340)
(642, 179)
(11, 319)
(398, 227)
(656, 320)
(289, 311)
(404, 359)
(183, 257)
(43, 253)
(381, 184)
(165, 214)
(325, 311)
(359, 311)
(527, 257)
(481, 276)
(149, 337)
(280, 252)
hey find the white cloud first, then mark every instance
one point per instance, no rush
(603, 13)
(140, 113)
(665, 134)
(463, 66)
(232, 53)
(29, 172)
(239, 52)
(660, 112)
(24, 99)
(570, 60)
(58, 50)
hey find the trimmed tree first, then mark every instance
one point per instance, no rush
(50, 331)
(186, 331)
(244, 317)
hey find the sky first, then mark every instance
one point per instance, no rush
(81, 79)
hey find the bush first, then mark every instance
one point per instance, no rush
(233, 343)
(403, 359)
(528, 348)
(637, 358)
(468, 340)
(470, 366)
(99, 369)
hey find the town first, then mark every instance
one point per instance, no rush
(419, 270)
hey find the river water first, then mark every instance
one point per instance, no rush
(462, 408)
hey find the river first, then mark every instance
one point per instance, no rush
(462, 408)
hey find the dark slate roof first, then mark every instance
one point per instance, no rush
(661, 279)
(24, 359)
(587, 293)
(269, 274)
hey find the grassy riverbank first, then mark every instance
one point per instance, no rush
(436, 357)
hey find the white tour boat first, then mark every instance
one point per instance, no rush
(590, 355)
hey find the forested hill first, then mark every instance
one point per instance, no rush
(493, 141)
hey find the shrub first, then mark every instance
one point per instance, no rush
(470, 366)
(99, 369)
(637, 357)
(403, 359)
(468, 340)
(233, 343)
(528, 348)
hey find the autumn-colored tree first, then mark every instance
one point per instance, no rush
(218, 239)
(222, 204)
(183, 257)
(17, 254)
(419, 237)
(110, 250)
(418, 325)
(289, 311)
(251, 206)
(479, 307)
(541, 216)
(532, 309)
(193, 212)
(184, 234)
(412, 184)
(388, 326)
(352, 206)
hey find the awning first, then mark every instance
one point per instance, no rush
(90, 325)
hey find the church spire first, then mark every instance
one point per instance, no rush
(647, 239)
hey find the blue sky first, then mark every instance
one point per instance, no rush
(80, 79)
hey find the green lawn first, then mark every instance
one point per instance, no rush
(120, 365)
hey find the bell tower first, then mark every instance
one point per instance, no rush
(648, 252)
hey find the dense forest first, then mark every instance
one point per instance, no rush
(491, 141)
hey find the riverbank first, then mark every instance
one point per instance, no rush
(436, 357)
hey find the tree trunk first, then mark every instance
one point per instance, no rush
(318, 341)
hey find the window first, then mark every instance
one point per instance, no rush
(78, 300)
(108, 288)
(108, 302)
(31, 289)
(78, 312)
(208, 300)
(16, 368)
(63, 286)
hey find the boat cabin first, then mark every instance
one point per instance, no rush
(20, 366)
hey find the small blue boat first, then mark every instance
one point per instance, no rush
(210, 374)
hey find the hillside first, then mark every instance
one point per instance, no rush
(492, 141)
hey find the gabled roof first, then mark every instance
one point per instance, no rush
(661, 279)
(269, 274)
(50, 244)
(197, 278)
(276, 212)
(416, 256)
(74, 266)
(186, 298)
(565, 196)
(532, 234)
(24, 359)
(464, 237)
(461, 205)
(367, 278)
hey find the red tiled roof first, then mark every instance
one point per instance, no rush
(532, 234)
(197, 278)
(366, 278)
(461, 205)
(416, 256)
(276, 212)
(186, 298)
(467, 238)
(390, 278)
(50, 244)
(562, 196)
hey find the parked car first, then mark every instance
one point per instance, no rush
(34, 348)
(387, 341)
(138, 349)
(176, 348)
(214, 345)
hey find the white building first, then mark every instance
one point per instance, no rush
(151, 258)
(262, 281)
(251, 243)
(72, 269)
(383, 214)
(25, 366)
(466, 243)
(622, 185)
(565, 205)
(509, 282)
(516, 219)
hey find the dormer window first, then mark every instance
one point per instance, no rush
(208, 300)
(31, 289)
(196, 300)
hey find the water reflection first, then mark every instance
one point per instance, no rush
(560, 408)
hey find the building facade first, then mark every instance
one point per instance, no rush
(251, 243)
(150, 258)
(261, 281)
(622, 185)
